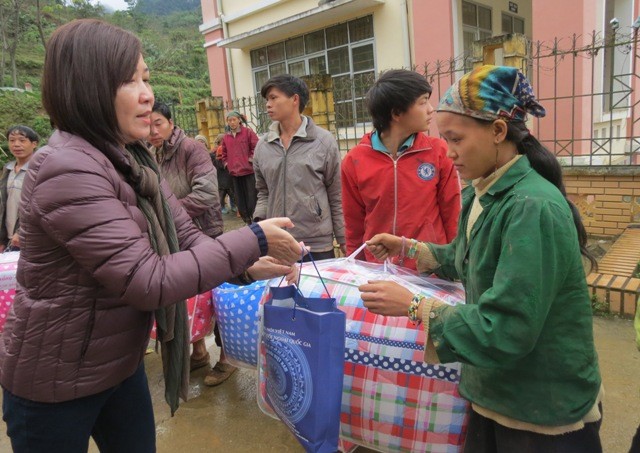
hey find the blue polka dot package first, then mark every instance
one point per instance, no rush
(236, 310)
(391, 399)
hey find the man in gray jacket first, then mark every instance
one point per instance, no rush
(297, 169)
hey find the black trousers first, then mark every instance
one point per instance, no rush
(486, 436)
(246, 196)
(119, 419)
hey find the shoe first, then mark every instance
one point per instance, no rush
(225, 211)
(218, 374)
(238, 214)
(194, 364)
(234, 208)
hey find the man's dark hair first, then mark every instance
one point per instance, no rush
(289, 85)
(85, 63)
(25, 131)
(394, 93)
(163, 109)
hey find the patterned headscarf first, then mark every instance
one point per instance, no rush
(491, 93)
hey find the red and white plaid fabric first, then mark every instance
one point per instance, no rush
(391, 400)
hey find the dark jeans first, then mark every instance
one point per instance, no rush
(246, 196)
(119, 419)
(319, 256)
(486, 436)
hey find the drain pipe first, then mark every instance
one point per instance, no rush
(406, 40)
(227, 51)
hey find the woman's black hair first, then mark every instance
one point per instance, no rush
(546, 164)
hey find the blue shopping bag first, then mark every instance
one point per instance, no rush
(304, 340)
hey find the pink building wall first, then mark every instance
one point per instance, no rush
(569, 117)
(432, 31)
(216, 56)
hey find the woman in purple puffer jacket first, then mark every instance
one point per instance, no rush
(105, 246)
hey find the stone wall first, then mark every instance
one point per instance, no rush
(608, 197)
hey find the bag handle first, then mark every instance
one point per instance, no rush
(300, 274)
(317, 271)
(352, 257)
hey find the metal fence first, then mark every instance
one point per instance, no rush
(185, 118)
(587, 84)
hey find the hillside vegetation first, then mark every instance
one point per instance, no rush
(168, 30)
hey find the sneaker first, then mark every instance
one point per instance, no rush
(195, 363)
(218, 374)
(234, 208)
(238, 214)
(225, 210)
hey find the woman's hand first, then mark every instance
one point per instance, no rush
(281, 245)
(384, 246)
(267, 267)
(386, 298)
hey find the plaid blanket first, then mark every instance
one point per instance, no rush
(391, 400)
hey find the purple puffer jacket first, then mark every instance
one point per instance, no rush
(88, 278)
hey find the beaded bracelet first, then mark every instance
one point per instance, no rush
(412, 311)
(413, 249)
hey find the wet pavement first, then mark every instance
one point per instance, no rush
(227, 418)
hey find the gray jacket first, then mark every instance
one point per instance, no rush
(302, 183)
(187, 167)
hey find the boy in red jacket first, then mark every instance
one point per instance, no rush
(397, 179)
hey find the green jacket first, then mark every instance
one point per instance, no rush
(525, 336)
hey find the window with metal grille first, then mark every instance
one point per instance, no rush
(346, 51)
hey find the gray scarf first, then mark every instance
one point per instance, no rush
(171, 321)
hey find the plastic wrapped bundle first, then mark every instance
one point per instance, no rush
(391, 400)
(200, 312)
(236, 311)
(8, 268)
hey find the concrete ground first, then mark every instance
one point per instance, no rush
(227, 418)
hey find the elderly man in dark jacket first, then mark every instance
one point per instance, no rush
(187, 167)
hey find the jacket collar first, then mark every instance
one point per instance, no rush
(517, 171)
(421, 142)
(116, 155)
(306, 127)
(170, 146)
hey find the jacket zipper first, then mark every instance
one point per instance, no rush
(395, 184)
(284, 181)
